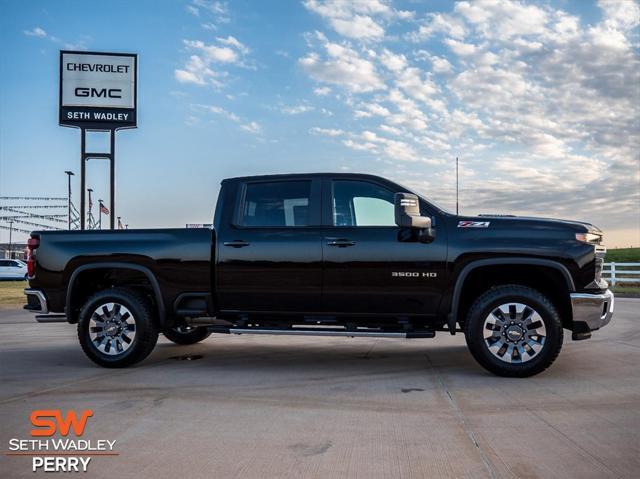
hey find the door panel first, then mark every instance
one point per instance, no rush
(272, 259)
(377, 269)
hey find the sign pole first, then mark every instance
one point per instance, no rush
(112, 175)
(98, 92)
(82, 178)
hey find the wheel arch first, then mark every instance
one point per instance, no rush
(456, 306)
(116, 266)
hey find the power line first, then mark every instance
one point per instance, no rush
(14, 229)
(34, 215)
(44, 198)
(32, 206)
(8, 218)
(36, 224)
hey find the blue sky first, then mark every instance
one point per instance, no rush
(538, 99)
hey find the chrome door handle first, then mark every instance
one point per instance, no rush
(236, 243)
(341, 243)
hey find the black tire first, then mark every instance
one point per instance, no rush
(181, 335)
(141, 314)
(486, 304)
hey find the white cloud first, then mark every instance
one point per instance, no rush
(296, 109)
(252, 127)
(199, 69)
(343, 66)
(620, 14)
(322, 91)
(35, 32)
(441, 65)
(218, 10)
(214, 53)
(326, 131)
(460, 48)
(234, 42)
(439, 23)
(198, 72)
(358, 27)
(358, 20)
(503, 18)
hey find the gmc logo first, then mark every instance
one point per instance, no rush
(102, 93)
(48, 421)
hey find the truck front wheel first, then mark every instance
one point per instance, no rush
(514, 331)
(186, 334)
(116, 328)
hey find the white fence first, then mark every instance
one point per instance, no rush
(617, 273)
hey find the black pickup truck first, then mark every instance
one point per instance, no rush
(327, 255)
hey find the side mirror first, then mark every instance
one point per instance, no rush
(407, 209)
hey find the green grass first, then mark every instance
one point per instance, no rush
(633, 290)
(11, 295)
(623, 255)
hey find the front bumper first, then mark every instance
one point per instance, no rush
(591, 311)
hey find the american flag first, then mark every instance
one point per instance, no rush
(103, 209)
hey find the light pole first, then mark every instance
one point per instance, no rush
(10, 237)
(69, 175)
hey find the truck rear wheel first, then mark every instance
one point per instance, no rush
(514, 331)
(186, 334)
(116, 328)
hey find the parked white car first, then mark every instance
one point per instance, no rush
(12, 269)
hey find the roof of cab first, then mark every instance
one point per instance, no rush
(283, 176)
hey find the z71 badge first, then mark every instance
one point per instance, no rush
(473, 224)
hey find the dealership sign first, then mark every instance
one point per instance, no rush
(98, 90)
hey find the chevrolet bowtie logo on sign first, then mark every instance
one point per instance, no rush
(98, 89)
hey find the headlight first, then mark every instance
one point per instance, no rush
(589, 238)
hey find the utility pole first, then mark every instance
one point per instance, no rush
(10, 237)
(69, 175)
(457, 205)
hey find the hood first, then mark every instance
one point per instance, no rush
(578, 226)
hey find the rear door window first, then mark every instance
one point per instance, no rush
(277, 204)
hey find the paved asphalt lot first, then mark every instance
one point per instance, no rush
(285, 407)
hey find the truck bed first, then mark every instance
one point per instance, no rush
(180, 259)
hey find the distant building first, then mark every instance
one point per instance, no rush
(18, 251)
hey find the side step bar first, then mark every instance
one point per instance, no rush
(51, 318)
(326, 332)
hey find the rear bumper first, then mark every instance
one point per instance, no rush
(591, 311)
(36, 301)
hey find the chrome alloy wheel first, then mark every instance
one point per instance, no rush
(514, 332)
(112, 328)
